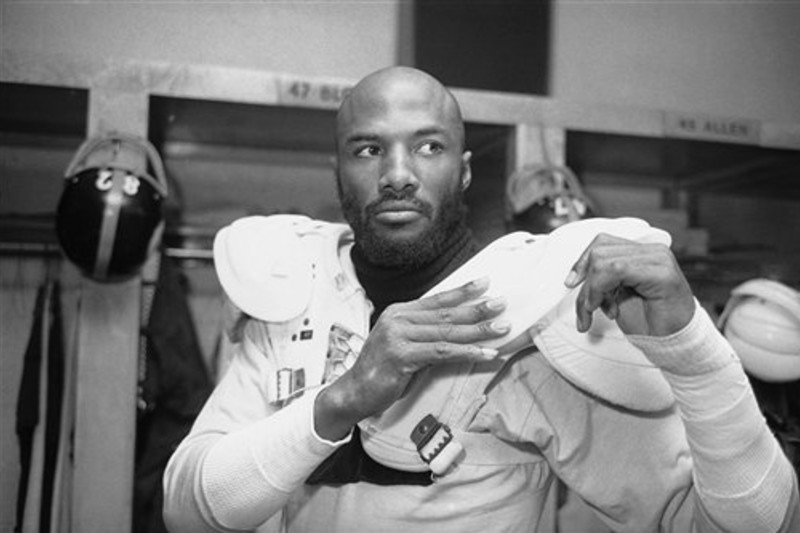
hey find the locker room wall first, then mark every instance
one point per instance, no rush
(727, 57)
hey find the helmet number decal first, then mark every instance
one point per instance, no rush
(131, 185)
(105, 179)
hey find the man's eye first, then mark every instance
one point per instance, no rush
(367, 151)
(430, 148)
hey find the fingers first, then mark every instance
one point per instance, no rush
(468, 313)
(471, 322)
(459, 315)
(460, 333)
(607, 277)
(447, 352)
(604, 291)
(412, 347)
(447, 326)
(453, 297)
(580, 269)
(615, 271)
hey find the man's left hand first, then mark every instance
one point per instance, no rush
(639, 285)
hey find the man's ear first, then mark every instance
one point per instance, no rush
(466, 170)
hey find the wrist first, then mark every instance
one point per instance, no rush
(676, 318)
(696, 349)
(334, 414)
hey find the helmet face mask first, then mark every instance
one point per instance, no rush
(550, 213)
(110, 214)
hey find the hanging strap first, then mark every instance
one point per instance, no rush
(28, 405)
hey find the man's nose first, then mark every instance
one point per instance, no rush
(398, 171)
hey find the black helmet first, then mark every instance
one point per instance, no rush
(540, 198)
(110, 217)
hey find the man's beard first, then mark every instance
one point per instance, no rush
(405, 253)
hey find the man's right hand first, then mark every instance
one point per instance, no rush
(443, 328)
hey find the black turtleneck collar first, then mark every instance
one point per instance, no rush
(387, 285)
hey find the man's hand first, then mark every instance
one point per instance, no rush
(639, 285)
(442, 328)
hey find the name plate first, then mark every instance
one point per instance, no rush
(312, 93)
(692, 126)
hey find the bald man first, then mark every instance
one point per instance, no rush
(298, 463)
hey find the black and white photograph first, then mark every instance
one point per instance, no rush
(395, 266)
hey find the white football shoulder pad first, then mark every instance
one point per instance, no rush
(293, 276)
(528, 272)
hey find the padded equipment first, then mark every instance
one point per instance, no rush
(761, 320)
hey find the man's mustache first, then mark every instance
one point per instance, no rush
(394, 197)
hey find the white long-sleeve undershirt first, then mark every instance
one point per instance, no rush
(740, 473)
